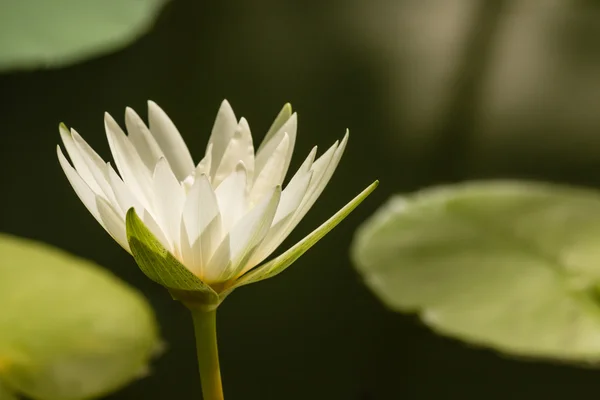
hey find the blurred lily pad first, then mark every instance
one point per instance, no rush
(513, 266)
(42, 33)
(68, 328)
(5, 394)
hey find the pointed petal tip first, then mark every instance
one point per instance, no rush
(226, 105)
(62, 127)
(108, 119)
(243, 123)
(129, 112)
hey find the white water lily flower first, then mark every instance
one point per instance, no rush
(219, 218)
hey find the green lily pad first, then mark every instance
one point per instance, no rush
(513, 266)
(68, 328)
(42, 33)
(6, 394)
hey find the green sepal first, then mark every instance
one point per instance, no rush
(158, 264)
(280, 263)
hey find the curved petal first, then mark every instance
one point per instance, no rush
(222, 132)
(247, 234)
(271, 143)
(319, 184)
(78, 159)
(96, 166)
(280, 119)
(123, 196)
(218, 264)
(231, 197)
(168, 201)
(142, 139)
(133, 171)
(113, 223)
(272, 173)
(280, 263)
(290, 201)
(322, 170)
(202, 222)
(170, 141)
(83, 191)
(239, 148)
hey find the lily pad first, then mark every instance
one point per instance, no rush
(6, 394)
(42, 33)
(68, 328)
(514, 266)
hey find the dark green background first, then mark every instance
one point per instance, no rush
(315, 332)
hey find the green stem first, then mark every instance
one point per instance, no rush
(205, 328)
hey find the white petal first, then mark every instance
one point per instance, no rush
(292, 195)
(238, 149)
(187, 255)
(319, 184)
(113, 223)
(307, 163)
(218, 264)
(271, 143)
(96, 166)
(247, 234)
(156, 230)
(200, 207)
(169, 196)
(272, 173)
(203, 167)
(322, 170)
(133, 171)
(222, 132)
(170, 141)
(78, 160)
(142, 139)
(83, 191)
(291, 199)
(280, 119)
(202, 222)
(123, 196)
(231, 197)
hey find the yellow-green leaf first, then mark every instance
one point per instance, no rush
(6, 394)
(50, 33)
(68, 329)
(514, 266)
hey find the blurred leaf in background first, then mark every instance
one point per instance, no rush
(514, 266)
(68, 329)
(5, 394)
(55, 33)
